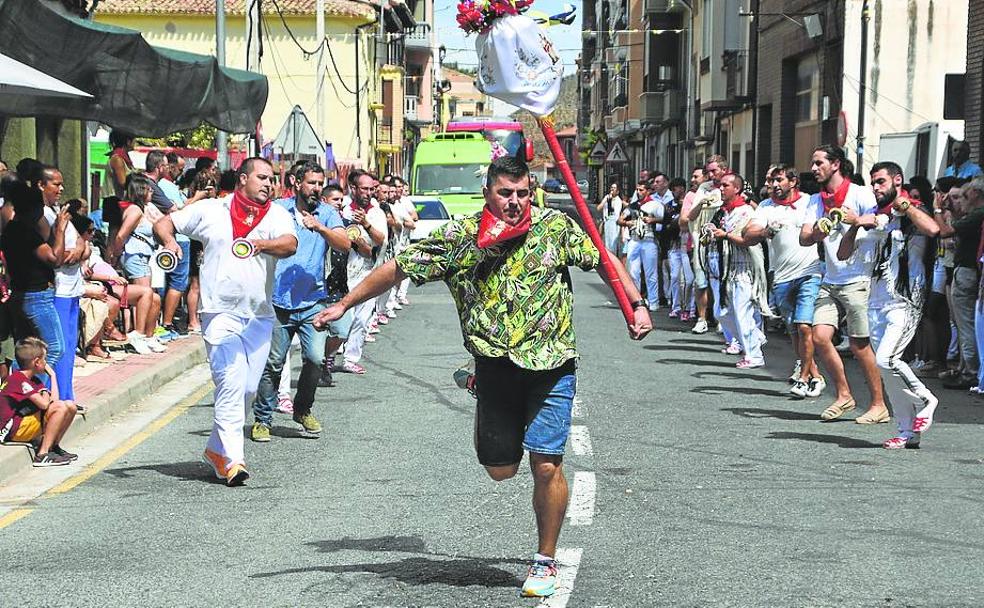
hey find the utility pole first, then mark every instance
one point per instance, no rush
(863, 88)
(252, 56)
(319, 27)
(221, 141)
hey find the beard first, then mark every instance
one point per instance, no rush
(310, 201)
(888, 197)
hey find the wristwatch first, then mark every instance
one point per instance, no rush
(643, 303)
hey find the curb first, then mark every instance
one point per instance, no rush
(117, 397)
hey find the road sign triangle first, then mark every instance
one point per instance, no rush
(599, 151)
(617, 154)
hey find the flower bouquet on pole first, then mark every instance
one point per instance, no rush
(517, 64)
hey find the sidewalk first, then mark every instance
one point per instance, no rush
(107, 389)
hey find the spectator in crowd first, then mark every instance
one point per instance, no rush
(640, 217)
(69, 288)
(33, 411)
(404, 220)
(610, 208)
(205, 186)
(120, 164)
(661, 193)
(960, 163)
(681, 274)
(703, 207)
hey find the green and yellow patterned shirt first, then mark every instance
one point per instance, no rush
(514, 299)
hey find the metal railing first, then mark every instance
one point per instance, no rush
(736, 73)
(419, 37)
(410, 103)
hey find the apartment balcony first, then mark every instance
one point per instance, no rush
(662, 6)
(706, 127)
(661, 108)
(420, 38)
(410, 103)
(736, 69)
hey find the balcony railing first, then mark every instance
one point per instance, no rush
(410, 107)
(736, 72)
(384, 131)
(661, 108)
(419, 38)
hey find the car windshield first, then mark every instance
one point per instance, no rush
(508, 139)
(451, 179)
(431, 209)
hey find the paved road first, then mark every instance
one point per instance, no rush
(711, 489)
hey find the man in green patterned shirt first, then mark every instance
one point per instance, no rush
(507, 269)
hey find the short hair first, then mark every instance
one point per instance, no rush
(962, 144)
(28, 349)
(697, 168)
(718, 160)
(977, 185)
(646, 183)
(739, 179)
(155, 158)
(655, 174)
(47, 173)
(172, 158)
(788, 170)
(835, 154)
(204, 162)
(24, 198)
(306, 167)
(332, 187)
(137, 187)
(397, 180)
(889, 167)
(355, 174)
(118, 138)
(246, 167)
(510, 166)
(29, 169)
(678, 182)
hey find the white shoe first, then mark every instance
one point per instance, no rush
(154, 345)
(397, 307)
(391, 314)
(383, 319)
(815, 387)
(799, 388)
(797, 369)
(403, 301)
(700, 327)
(139, 343)
(373, 330)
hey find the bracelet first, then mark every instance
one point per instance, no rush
(935, 211)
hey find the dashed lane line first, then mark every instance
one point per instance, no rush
(581, 440)
(578, 410)
(568, 561)
(582, 506)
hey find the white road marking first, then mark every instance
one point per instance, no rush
(582, 506)
(581, 441)
(568, 561)
(578, 411)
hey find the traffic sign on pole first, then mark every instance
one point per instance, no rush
(598, 152)
(617, 154)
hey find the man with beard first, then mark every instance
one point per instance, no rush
(243, 235)
(961, 166)
(903, 235)
(641, 216)
(796, 271)
(706, 202)
(688, 242)
(681, 274)
(508, 271)
(298, 296)
(845, 283)
(743, 282)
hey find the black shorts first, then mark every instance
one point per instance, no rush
(520, 409)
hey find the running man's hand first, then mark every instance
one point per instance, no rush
(326, 316)
(642, 325)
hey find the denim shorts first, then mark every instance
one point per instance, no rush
(797, 298)
(520, 409)
(177, 279)
(136, 265)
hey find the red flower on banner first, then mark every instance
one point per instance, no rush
(478, 15)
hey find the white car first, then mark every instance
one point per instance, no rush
(431, 213)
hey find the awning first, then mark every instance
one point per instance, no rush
(136, 87)
(20, 79)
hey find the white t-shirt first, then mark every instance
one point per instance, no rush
(787, 258)
(359, 266)
(884, 288)
(402, 211)
(732, 221)
(68, 279)
(229, 284)
(858, 266)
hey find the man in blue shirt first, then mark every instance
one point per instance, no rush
(962, 167)
(299, 294)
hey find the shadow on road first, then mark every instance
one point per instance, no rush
(752, 412)
(685, 347)
(724, 364)
(421, 571)
(192, 470)
(844, 442)
(745, 390)
(732, 376)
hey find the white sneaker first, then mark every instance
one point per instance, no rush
(154, 345)
(397, 306)
(799, 388)
(139, 343)
(373, 330)
(391, 314)
(815, 387)
(700, 327)
(403, 301)
(797, 370)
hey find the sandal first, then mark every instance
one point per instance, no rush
(97, 352)
(836, 410)
(871, 418)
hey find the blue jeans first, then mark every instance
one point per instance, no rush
(39, 310)
(68, 314)
(177, 279)
(797, 298)
(290, 322)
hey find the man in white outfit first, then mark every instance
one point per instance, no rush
(244, 235)
(362, 211)
(643, 252)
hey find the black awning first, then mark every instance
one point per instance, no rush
(136, 87)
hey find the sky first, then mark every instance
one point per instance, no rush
(461, 48)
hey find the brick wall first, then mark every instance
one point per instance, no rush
(975, 77)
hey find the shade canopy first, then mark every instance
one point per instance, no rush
(143, 89)
(20, 79)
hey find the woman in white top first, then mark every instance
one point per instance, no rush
(611, 208)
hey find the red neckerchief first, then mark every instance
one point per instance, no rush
(123, 205)
(736, 202)
(887, 209)
(836, 199)
(492, 230)
(790, 200)
(122, 155)
(245, 214)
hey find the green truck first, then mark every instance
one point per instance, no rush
(452, 167)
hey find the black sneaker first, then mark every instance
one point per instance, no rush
(58, 450)
(961, 382)
(326, 381)
(50, 460)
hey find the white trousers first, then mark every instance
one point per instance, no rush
(681, 280)
(361, 319)
(237, 350)
(404, 287)
(643, 256)
(714, 282)
(741, 315)
(891, 327)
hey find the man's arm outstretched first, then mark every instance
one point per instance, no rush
(378, 282)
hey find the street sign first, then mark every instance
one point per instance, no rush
(617, 154)
(598, 152)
